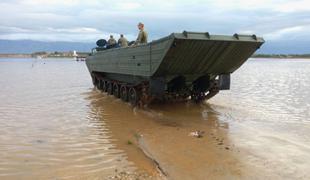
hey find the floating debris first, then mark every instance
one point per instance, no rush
(197, 134)
(123, 175)
(129, 142)
(39, 141)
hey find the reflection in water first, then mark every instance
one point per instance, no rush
(53, 124)
(268, 109)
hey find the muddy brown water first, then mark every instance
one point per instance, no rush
(55, 125)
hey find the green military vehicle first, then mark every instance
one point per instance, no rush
(188, 65)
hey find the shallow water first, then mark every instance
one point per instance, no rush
(54, 124)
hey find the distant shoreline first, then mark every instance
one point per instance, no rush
(45, 55)
(85, 54)
(282, 56)
(15, 56)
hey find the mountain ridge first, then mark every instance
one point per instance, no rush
(31, 46)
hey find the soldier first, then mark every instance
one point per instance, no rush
(122, 41)
(142, 37)
(111, 41)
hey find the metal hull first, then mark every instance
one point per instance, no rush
(181, 57)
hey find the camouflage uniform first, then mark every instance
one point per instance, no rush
(142, 37)
(123, 42)
(111, 41)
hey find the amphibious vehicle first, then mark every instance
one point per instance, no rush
(188, 65)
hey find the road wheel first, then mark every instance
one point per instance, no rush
(124, 93)
(104, 86)
(116, 90)
(133, 96)
(110, 88)
(100, 84)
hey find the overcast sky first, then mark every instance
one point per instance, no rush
(88, 20)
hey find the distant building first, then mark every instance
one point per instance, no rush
(74, 54)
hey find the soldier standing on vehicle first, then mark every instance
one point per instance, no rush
(142, 36)
(122, 41)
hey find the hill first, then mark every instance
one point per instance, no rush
(30, 46)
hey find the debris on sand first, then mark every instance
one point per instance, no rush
(197, 134)
(130, 176)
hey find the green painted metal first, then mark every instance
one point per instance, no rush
(190, 54)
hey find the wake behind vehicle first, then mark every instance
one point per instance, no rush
(184, 65)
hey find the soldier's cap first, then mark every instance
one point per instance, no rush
(140, 23)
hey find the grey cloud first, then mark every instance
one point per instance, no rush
(21, 20)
